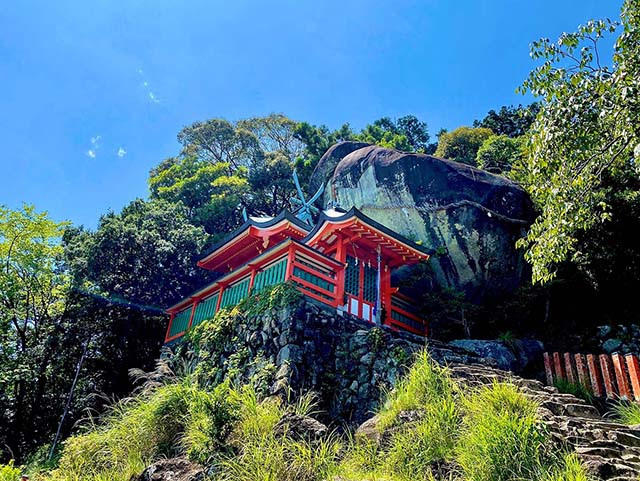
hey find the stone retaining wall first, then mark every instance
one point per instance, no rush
(305, 347)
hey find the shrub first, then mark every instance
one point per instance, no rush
(8, 472)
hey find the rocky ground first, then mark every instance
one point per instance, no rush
(610, 450)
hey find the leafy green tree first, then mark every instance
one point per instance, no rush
(33, 289)
(275, 133)
(462, 144)
(213, 198)
(317, 140)
(588, 130)
(219, 141)
(499, 152)
(509, 120)
(407, 134)
(147, 254)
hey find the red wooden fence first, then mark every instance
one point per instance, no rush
(612, 375)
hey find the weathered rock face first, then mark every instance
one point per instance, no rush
(469, 218)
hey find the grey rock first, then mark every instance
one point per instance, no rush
(300, 427)
(472, 217)
(495, 350)
(289, 353)
(611, 345)
(173, 469)
(604, 331)
(331, 158)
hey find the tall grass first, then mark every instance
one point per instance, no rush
(487, 434)
(160, 422)
(491, 433)
(262, 455)
(8, 472)
(424, 384)
(577, 389)
(627, 412)
(502, 438)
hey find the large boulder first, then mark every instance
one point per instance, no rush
(331, 158)
(469, 218)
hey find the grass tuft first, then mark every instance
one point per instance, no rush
(8, 472)
(424, 384)
(502, 437)
(627, 412)
(577, 389)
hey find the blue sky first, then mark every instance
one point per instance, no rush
(94, 92)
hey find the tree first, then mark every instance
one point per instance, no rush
(275, 133)
(588, 129)
(219, 141)
(317, 140)
(146, 255)
(509, 120)
(499, 152)
(462, 144)
(213, 198)
(33, 289)
(407, 134)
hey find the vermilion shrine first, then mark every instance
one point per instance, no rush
(345, 262)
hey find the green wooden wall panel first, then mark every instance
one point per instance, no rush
(180, 322)
(206, 309)
(315, 280)
(274, 274)
(234, 294)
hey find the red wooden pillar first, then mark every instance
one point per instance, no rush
(548, 368)
(385, 288)
(220, 292)
(634, 374)
(607, 375)
(558, 367)
(361, 289)
(621, 376)
(193, 311)
(252, 279)
(166, 336)
(568, 367)
(341, 256)
(581, 368)
(594, 375)
(290, 259)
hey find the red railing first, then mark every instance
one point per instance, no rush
(605, 375)
(402, 315)
(314, 275)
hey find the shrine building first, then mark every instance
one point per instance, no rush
(344, 262)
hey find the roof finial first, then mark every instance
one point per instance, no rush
(306, 209)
